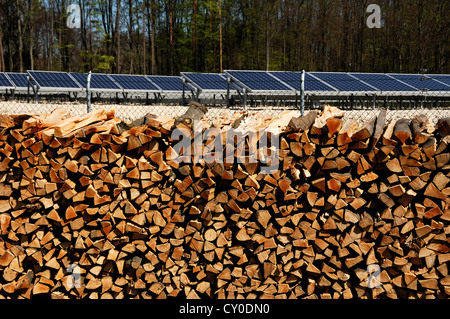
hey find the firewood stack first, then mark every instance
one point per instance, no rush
(89, 210)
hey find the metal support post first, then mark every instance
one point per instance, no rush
(28, 88)
(245, 98)
(184, 89)
(302, 93)
(88, 92)
(228, 92)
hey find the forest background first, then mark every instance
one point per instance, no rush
(170, 36)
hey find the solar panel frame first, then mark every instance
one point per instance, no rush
(312, 85)
(98, 82)
(418, 81)
(20, 80)
(5, 82)
(268, 83)
(207, 82)
(41, 78)
(134, 85)
(344, 83)
(167, 83)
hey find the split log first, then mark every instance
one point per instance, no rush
(365, 132)
(346, 132)
(379, 127)
(444, 127)
(195, 112)
(402, 130)
(303, 123)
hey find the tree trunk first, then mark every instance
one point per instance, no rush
(153, 23)
(267, 51)
(220, 38)
(267, 38)
(60, 48)
(10, 57)
(83, 24)
(2, 58)
(83, 27)
(194, 35)
(118, 36)
(31, 50)
(19, 29)
(172, 48)
(31, 38)
(144, 44)
(91, 59)
(52, 36)
(210, 38)
(130, 36)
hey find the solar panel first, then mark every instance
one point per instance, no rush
(167, 83)
(293, 79)
(442, 78)
(20, 80)
(207, 81)
(342, 81)
(5, 83)
(383, 82)
(421, 82)
(54, 81)
(134, 82)
(258, 81)
(99, 81)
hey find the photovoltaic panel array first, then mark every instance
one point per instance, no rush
(442, 78)
(421, 82)
(383, 82)
(269, 82)
(258, 81)
(103, 82)
(5, 83)
(167, 83)
(290, 78)
(20, 80)
(54, 81)
(339, 82)
(207, 81)
(293, 79)
(134, 83)
(99, 81)
(342, 81)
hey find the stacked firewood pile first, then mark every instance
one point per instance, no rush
(93, 208)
